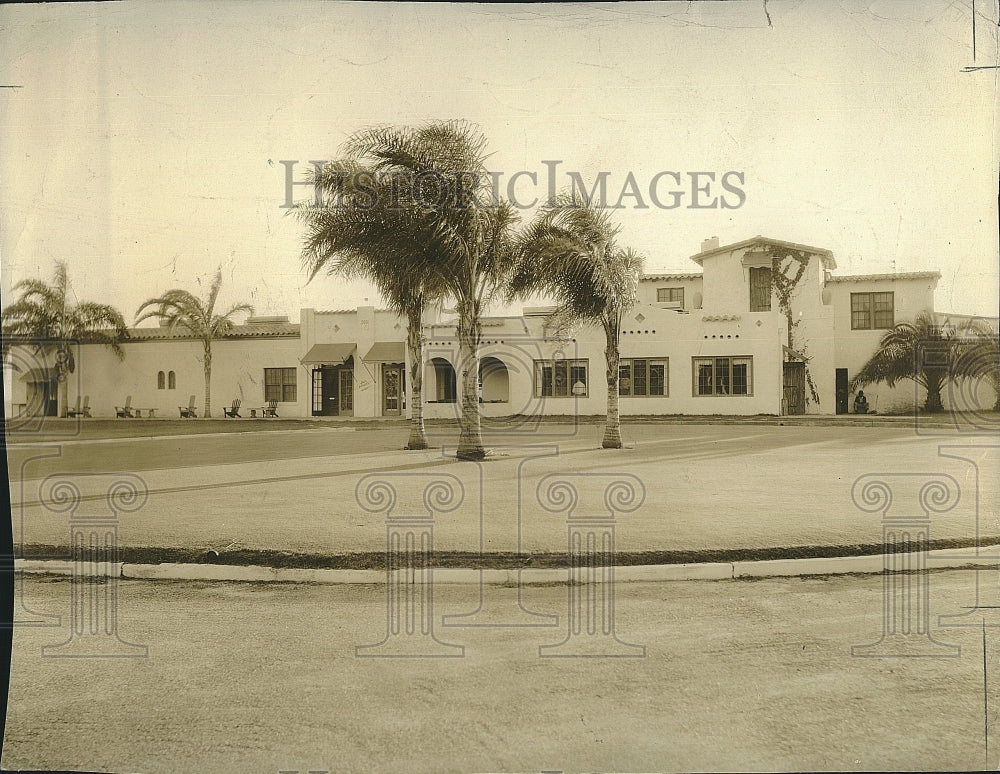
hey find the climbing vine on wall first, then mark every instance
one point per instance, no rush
(787, 269)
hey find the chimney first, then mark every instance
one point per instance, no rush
(709, 244)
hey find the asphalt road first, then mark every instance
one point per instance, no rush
(736, 676)
(704, 487)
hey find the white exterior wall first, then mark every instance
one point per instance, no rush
(853, 348)
(237, 372)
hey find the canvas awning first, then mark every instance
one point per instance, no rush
(38, 375)
(386, 352)
(328, 354)
(792, 356)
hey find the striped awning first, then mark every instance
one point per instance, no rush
(328, 354)
(386, 352)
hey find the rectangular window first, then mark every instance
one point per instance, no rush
(760, 289)
(673, 296)
(279, 385)
(723, 376)
(872, 311)
(642, 377)
(561, 379)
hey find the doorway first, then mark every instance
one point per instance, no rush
(794, 384)
(392, 389)
(843, 390)
(333, 391)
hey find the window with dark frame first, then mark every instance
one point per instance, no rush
(279, 385)
(643, 377)
(670, 296)
(561, 379)
(722, 376)
(760, 289)
(872, 311)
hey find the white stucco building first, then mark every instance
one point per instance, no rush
(764, 327)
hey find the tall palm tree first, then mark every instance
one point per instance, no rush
(922, 351)
(363, 237)
(182, 310)
(45, 318)
(979, 354)
(570, 252)
(460, 240)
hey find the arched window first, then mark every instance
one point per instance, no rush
(172, 380)
(160, 381)
(493, 380)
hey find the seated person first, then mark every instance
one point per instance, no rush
(860, 403)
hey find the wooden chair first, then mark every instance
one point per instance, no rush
(81, 411)
(189, 410)
(234, 411)
(125, 412)
(271, 409)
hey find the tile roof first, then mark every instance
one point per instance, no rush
(671, 276)
(903, 275)
(255, 331)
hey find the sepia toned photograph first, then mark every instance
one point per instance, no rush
(526, 388)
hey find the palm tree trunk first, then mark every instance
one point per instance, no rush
(62, 388)
(612, 428)
(208, 381)
(933, 404)
(414, 345)
(470, 440)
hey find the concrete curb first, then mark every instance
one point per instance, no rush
(988, 557)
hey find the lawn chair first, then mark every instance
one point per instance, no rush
(81, 412)
(271, 409)
(234, 411)
(189, 410)
(125, 412)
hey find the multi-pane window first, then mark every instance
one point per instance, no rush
(670, 295)
(723, 376)
(561, 379)
(641, 377)
(760, 289)
(171, 381)
(872, 311)
(161, 381)
(279, 385)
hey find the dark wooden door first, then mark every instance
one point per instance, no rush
(795, 388)
(843, 390)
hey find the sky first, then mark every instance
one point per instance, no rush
(141, 142)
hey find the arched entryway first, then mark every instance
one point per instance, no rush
(444, 388)
(494, 381)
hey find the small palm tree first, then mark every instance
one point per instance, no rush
(363, 237)
(182, 310)
(979, 355)
(922, 351)
(570, 252)
(44, 317)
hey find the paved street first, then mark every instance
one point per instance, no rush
(706, 487)
(736, 676)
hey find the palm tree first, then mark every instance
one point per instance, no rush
(361, 237)
(182, 310)
(570, 252)
(44, 317)
(458, 239)
(979, 354)
(922, 351)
